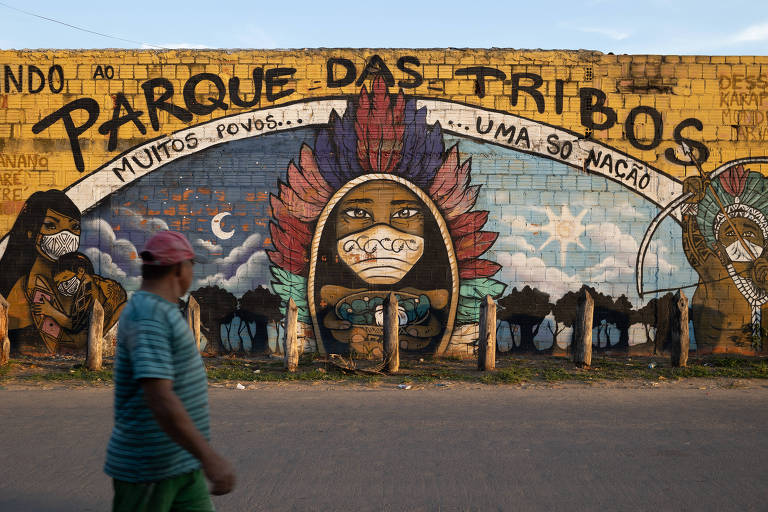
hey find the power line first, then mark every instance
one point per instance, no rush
(80, 28)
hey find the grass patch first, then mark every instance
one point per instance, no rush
(79, 373)
(514, 375)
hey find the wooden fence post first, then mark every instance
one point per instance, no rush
(291, 344)
(391, 335)
(5, 342)
(582, 335)
(486, 345)
(95, 335)
(193, 319)
(679, 330)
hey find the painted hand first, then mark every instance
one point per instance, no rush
(697, 186)
(760, 273)
(44, 308)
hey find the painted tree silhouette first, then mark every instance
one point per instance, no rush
(259, 306)
(657, 313)
(527, 308)
(565, 311)
(216, 306)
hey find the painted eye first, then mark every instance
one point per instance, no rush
(405, 213)
(49, 225)
(357, 213)
(75, 227)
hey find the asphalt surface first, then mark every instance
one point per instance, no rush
(479, 448)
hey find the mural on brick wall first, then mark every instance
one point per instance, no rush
(50, 286)
(377, 206)
(337, 200)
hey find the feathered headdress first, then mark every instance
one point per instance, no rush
(380, 134)
(744, 193)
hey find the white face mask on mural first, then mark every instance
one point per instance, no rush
(737, 253)
(70, 286)
(59, 244)
(381, 254)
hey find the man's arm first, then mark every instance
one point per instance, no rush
(174, 420)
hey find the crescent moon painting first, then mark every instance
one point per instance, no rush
(216, 227)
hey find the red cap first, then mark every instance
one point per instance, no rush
(167, 248)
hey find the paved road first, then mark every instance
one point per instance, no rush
(351, 448)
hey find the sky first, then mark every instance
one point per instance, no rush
(737, 27)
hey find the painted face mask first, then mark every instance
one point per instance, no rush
(63, 242)
(737, 253)
(381, 254)
(69, 287)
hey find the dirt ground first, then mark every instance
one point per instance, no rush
(527, 371)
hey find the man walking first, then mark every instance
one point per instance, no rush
(160, 440)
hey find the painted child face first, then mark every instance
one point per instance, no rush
(751, 234)
(380, 231)
(59, 234)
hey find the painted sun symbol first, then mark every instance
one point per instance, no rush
(564, 228)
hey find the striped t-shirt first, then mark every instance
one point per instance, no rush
(153, 341)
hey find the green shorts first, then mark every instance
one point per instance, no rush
(187, 493)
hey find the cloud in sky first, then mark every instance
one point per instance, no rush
(616, 35)
(513, 243)
(248, 276)
(109, 269)
(136, 221)
(120, 249)
(206, 245)
(520, 269)
(753, 33)
(239, 254)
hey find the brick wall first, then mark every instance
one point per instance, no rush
(575, 153)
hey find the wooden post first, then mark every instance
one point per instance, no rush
(391, 334)
(679, 330)
(193, 319)
(582, 333)
(5, 342)
(95, 334)
(486, 345)
(291, 344)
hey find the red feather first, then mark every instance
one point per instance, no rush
(302, 231)
(292, 253)
(467, 223)
(473, 245)
(475, 268)
(304, 211)
(734, 180)
(379, 128)
(446, 177)
(312, 172)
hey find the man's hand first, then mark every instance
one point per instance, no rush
(697, 186)
(174, 420)
(219, 472)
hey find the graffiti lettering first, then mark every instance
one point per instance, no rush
(374, 66)
(29, 161)
(596, 160)
(107, 72)
(155, 154)
(13, 78)
(158, 95)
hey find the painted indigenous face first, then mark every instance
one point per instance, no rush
(380, 231)
(58, 235)
(751, 234)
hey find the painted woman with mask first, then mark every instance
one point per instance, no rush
(47, 227)
(726, 247)
(77, 288)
